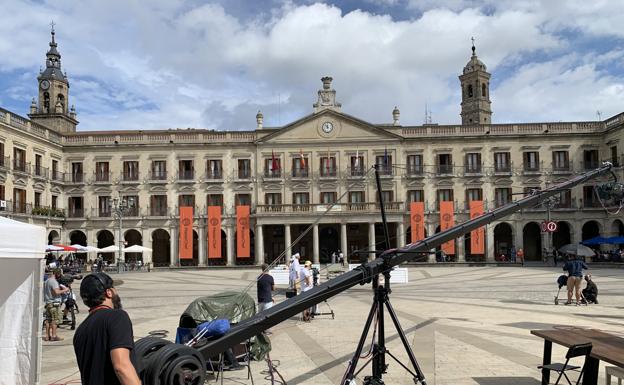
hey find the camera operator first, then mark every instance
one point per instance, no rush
(52, 293)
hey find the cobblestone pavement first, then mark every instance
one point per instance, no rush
(467, 325)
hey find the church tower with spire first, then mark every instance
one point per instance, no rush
(476, 107)
(52, 109)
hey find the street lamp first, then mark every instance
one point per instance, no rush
(550, 203)
(118, 206)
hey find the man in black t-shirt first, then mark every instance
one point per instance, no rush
(266, 285)
(103, 341)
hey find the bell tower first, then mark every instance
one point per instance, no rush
(52, 109)
(476, 107)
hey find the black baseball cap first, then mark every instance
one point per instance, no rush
(94, 285)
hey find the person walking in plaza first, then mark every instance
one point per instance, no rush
(575, 268)
(293, 276)
(341, 258)
(591, 290)
(265, 287)
(52, 297)
(520, 255)
(103, 341)
(306, 284)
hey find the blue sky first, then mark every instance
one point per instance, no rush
(213, 64)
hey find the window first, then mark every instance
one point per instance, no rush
(415, 195)
(444, 195)
(483, 90)
(356, 197)
(327, 166)
(561, 161)
(132, 202)
(38, 168)
(273, 198)
(473, 163)
(214, 169)
(56, 175)
(2, 161)
(473, 194)
(186, 200)
(301, 201)
(414, 164)
(37, 202)
(470, 92)
(2, 197)
(46, 102)
(104, 206)
(54, 202)
(77, 176)
(242, 200)
(158, 205)
(101, 172)
(614, 156)
(19, 160)
(386, 195)
(531, 161)
(159, 170)
(565, 199)
(299, 167)
(445, 164)
(589, 197)
(357, 165)
(502, 196)
(186, 170)
(384, 164)
(131, 170)
(244, 168)
(75, 207)
(328, 197)
(590, 159)
(214, 200)
(272, 167)
(19, 200)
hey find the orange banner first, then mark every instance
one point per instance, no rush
(477, 237)
(243, 242)
(447, 220)
(417, 216)
(214, 232)
(186, 232)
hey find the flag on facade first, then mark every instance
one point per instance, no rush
(303, 166)
(327, 161)
(385, 160)
(274, 163)
(356, 164)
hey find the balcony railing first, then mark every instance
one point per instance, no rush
(415, 170)
(21, 166)
(356, 172)
(385, 170)
(75, 213)
(214, 174)
(4, 162)
(372, 207)
(502, 168)
(445, 169)
(590, 165)
(328, 172)
(272, 174)
(158, 211)
(40, 172)
(102, 212)
(532, 168)
(562, 168)
(158, 175)
(186, 175)
(130, 176)
(300, 173)
(131, 212)
(102, 177)
(243, 173)
(56, 176)
(474, 169)
(591, 203)
(75, 177)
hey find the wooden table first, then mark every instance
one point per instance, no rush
(606, 347)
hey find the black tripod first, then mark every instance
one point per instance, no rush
(381, 299)
(379, 352)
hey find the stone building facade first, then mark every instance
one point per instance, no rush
(309, 181)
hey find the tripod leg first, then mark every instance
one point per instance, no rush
(356, 356)
(406, 345)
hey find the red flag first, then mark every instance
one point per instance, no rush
(302, 159)
(214, 231)
(243, 249)
(447, 220)
(417, 215)
(477, 237)
(274, 163)
(186, 233)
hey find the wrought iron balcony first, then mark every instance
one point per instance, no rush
(356, 172)
(75, 177)
(130, 177)
(4, 162)
(21, 166)
(272, 174)
(186, 176)
(157, 176)
(214, 175)
(301, 173)
(75, 213)
(158, 211)
(40, 172)
(444, 169)
(328, 172)
(415, 170)
(102, 177)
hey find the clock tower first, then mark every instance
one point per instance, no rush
(52, 109)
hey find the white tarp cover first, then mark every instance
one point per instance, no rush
(21, 262)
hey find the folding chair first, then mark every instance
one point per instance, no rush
(574, 351)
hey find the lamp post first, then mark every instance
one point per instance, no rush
(118, 206)
(550, 203)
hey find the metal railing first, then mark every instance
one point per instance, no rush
(186, 175)
(75, 177)
(5, 161)
(102, 177)
(157, 211)
(214, 174)
(314, 208)
(155, 175)
(130, 176)
(502, 168)
(242, 173)
(328, 172)
(300, 173)
(56, 176)
(473, 169)
(75, 213)
(40, 172)
(272, 174)
(445, 169)
(102, 212)
(531, 167)
(415, 170)
(356, 172)
(21, 166)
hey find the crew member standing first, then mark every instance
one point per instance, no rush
(103, 341)
(52, 292)
(265, 286)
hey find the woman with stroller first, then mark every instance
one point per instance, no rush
(575, 268)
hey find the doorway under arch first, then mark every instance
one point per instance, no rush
(133, 237)
(590, 230)
(532, 241)
(503, 241)
(77, 237)
(161, 248)
(562, 236)
(53, 237)
(106, 238)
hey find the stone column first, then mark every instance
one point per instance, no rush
(400, 234)
(147, 242)
(315, 244)
(430, 231)
(461, 249)
(230, 247)
(343, 241)
(202, 244)
(259, 245)
(518, 237)
(489, 243)
(287, 241)
(173, 243)
(371, 241)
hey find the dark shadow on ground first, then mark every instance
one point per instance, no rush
(506, 380)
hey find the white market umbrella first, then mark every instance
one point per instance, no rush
(53, 248)
(136, 249)
(110, 249)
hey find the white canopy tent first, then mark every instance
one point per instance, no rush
(21, 262)
(140, 249)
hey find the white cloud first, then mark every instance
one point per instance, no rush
(162, 64)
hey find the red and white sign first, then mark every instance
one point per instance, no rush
(549, 226)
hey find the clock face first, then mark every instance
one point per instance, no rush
(45, 85)
(328, 127)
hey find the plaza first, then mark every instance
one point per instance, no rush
(466, 325)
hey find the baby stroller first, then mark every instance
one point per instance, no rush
(561, 282)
